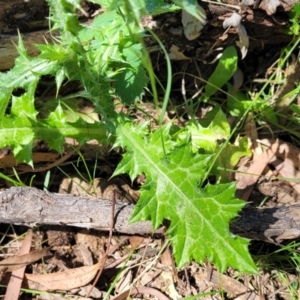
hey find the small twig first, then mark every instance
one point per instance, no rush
(223, 4)
(188, 284)
(141, 290)
(28, 169)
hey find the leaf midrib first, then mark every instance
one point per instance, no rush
(139, 149)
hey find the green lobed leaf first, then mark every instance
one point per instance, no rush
(199, 217)
(296, 9)
(131, 82)
(19, 132)
(237, 103)
(206, 138)
(25, 73)
(23, 105)
(156, 7)
(53, 52)
(65, 18)
(225, 69)
(229, 158)
(130, 85)
(4, 98)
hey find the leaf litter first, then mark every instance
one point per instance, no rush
(217, 281)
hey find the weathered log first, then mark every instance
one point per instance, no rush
(8, 49)
(30, 18)
(30, 206)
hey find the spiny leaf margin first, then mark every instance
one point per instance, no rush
(199, 217)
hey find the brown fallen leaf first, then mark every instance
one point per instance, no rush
(231, 286)
(175, 54)
(65, 281)
(166, 257)
(286, 170)
(286, 162)
(16, 262)
(136, 241)
(16, 279)
(247, 180)
(286, 152)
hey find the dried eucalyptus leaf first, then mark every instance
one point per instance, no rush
(175, 54)
(269, 6)
(235, 21)
(192, 25)
(243, 43)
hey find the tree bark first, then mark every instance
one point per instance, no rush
(30, 206)
(28, 18)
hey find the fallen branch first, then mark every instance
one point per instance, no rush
(30, 206)
(8, 49)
